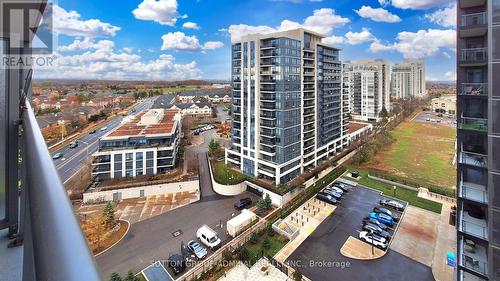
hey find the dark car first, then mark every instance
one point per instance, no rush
(341, 186)
(92, 132)
(375, 222)
(326, 198)
(376, 230)
(57, 155)
(177, 263)
(392, 204)
(332, 192)
(387, 212)
(242, 203)
(73, 144)
(355, 174)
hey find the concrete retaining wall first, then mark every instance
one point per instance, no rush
(226, 190)
(135, 192)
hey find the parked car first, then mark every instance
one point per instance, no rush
(92, 132)
(326, 198)
(73, 144)
(355, 174)
(208, 237)
(57, 155)
(177, 263)
(375, 222)
(242, 203)
(383, 218)
(104, 128)
(341, 186)
(336, 189)
(387, 212)
(198, 250)
(377, 230)
(377, 240)
(392, 204)
(332, 193)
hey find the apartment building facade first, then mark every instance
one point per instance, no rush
(478, 138)
(368, 88)
(408, 79)
(145, 145)
(289, 111)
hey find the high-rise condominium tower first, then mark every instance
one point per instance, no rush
(478, 140)
(368, 88)
(288, 109)
(408, 79)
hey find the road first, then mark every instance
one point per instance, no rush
(72, 159)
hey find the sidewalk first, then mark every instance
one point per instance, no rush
(446, 242)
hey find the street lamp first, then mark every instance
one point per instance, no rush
(373, 249)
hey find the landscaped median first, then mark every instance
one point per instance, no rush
(400, 193)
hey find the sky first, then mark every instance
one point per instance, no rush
(191, 39)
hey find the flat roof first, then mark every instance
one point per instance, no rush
(134, 128)
(355, 126)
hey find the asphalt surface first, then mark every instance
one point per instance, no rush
(72, 159)
(433, 117)
(319, 257)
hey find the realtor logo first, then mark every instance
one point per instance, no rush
(28, 29)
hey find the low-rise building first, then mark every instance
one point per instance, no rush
(193, 109)
(145, 145)
(445, 104)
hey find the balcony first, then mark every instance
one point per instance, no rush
(473, 256)
(268, 106)
(471, 3)
(474, 89)
(473, 159)
(473, 57)
(473, 124)
(473, 191)
(473, 25)
(473, 226)
(270, 80)
(466, 276)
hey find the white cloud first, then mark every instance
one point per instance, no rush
(449, 75)
(128, 50)
(190, 25)
(322, 21)
(414, 4)
(333, 40)
(378, 14)
(69, 23)
(105, 63)
(355, 38)
(161, 11)
(179, 41)
(419, 44)
(445, 17)
(86, 44)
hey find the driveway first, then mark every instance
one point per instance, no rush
(153, 239)
(319, 257)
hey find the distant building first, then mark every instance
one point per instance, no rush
(368, 88)
(193, 109)
(445, 104)
(145, 145)
(408, 79)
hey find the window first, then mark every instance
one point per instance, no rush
(3, 90)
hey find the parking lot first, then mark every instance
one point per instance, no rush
(319, 256)
(430, 117)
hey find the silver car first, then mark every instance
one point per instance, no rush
(198, 250)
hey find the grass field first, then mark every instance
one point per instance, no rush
(223, 174)
(422, 152)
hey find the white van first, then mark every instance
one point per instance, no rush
(208, 237)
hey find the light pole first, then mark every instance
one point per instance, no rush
(373, 249)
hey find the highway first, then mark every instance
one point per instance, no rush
(73, 159)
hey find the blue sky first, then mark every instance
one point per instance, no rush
(170, 40)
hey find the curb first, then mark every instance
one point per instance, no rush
(114, 244)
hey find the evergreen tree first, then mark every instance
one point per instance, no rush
(266, 244)
(268, 202)
(115, 277)
(261, 207)
(109, 215)
(131, 277)
(213, 145)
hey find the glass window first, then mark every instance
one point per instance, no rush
(129, 156)
(495, 118)
(495, 5)
(495, 193)
(118, 174)
(3, 90)
(496, 82)
(496, 42)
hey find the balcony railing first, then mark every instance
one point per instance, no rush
(474, 55)
(474, 192)
(474, 159)
(473, 124)
(472, 20)
(474, 89)
(473, 226)
(54, 245)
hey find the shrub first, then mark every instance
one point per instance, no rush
(266, 244)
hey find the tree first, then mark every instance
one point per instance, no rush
(131, 277)
(213, 146)
(243, 253)
(383, 113)
(109, 215)
(115, 277)
(297, 275)
(268, 202)
(266, 244)
(94, 229)
(270, 231)
(254, 238)
(261, 206)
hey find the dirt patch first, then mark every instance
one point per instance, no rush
(357, 249)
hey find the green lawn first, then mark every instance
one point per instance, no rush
(225, 175)
(407, 195)
(277, 242)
